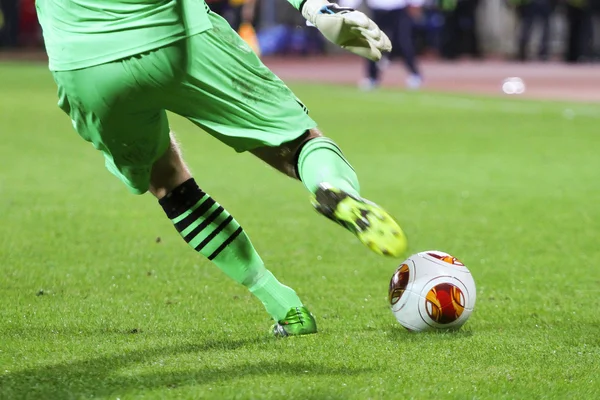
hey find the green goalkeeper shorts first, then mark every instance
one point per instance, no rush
(213, 78)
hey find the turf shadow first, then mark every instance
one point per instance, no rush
(96, 377)
(399, 333)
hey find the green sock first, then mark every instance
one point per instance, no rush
(210, 230)
(322, 161)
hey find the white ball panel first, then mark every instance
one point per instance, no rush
(427, 271)
(407, 317)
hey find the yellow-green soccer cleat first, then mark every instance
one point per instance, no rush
(371, 224)
(298, 321)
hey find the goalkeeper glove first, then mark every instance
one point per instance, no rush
(350, 29)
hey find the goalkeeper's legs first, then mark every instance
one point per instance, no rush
(232, 95)
(321, 166)
(210, 230)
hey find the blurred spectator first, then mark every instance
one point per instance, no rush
(428, 29)
(395, 18)
(460, 28)
(596, 29)
(241, 15)
(580, 30)
(9, 23)
(29, 27)
(284, 31)
(530, 12)
(235, 12)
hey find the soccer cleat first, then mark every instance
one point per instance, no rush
(414, 81)
(368, 84)
(298, 321)
(371, 224)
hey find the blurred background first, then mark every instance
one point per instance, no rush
(567, 30)
(101, 297)
(469, 46)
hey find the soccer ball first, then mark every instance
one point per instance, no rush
(432, 290)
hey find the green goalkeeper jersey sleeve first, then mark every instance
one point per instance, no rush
(296, 3)
(84, 33)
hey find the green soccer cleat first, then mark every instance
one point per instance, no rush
(298, 321)
(371, 224)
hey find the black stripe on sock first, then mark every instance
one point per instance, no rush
(335, 148)
(197, 213)
(181, 199)
(188, 238)
(214, 233)
(226, 243)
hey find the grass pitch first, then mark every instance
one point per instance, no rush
(102, 299)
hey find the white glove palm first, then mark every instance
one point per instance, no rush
(350, 29)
